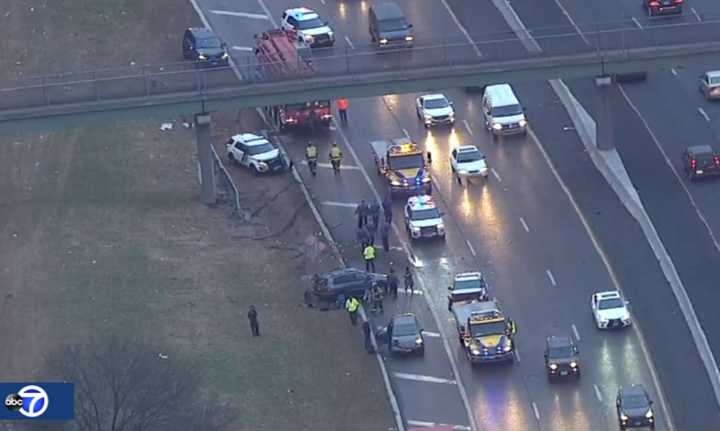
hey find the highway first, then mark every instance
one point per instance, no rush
(520, 229)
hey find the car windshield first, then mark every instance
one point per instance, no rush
(393, 25)
(560, 352)
(635, 402)
(469, 284)
(404, 329)
(469, 156)
(209, 43)
(607, 304)
(436, 103)
(506, 111)
(310, 23)
(493, 328)
(407, 162)
(715, 80)
(425, 214)
(259, 149)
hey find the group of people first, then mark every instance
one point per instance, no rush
(311, 155)
(368, 224)
(375, 294)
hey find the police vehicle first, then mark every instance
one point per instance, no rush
(423, 219)
(256, 153)
(610, 310)
(435, 109)
(311, 28)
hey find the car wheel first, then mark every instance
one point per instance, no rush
(254, 171)
(449, 306)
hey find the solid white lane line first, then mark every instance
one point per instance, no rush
(242, 48)
(637, 23)
(572, 22)
(239, 14)
(673, 71)
(692, 9)
(467, 127)
(472, 250)
(536, 410)
(497, 176)
(704, 114)
(598, 394)
(422, 378)
(524, 225)
(340, 204)
(350, 44)
(576, 332)
(329, 166)
(550, 276)
(405, 132)
(462, 29)
(432, 334)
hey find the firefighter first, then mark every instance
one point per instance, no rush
(335, 157)
(311, 155)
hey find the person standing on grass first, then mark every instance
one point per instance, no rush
(253, 318)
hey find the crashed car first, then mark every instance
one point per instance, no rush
(403, 335)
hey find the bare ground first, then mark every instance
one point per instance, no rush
(101, 232)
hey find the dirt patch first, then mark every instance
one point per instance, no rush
(102, 233)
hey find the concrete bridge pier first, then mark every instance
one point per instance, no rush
(604, 117)
(206, 164)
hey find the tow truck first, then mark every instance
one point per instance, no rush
(280, 54)
(402, 163)
(484, 331)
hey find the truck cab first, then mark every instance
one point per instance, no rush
(403, 165)
(485, 332)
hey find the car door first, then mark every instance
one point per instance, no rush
(240, 153)
(593, 305)
(453, 159)
(419, 106)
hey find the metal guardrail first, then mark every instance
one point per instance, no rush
(561, 47)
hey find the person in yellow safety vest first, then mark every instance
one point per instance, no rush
(311, 155)
(335, 157)
(352, 305)
(369, 255)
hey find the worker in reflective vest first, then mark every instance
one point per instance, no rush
(369, 255)
(352, 305)
(342, 105)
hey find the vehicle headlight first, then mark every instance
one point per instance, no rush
(383, 41)
(427, 116)
(573, 364)
(451, 115)
(418, 340)
(415, 229)
(475, 350)
(395, 182)
(463, 171)
(426, 179)
(497, 126)
(522, 123)
(441, 227)
(623, 417)
(409, 38)
(553, 366)
(201, 57)
(604, 320)
(507, 348)
(331, 34)
(649, 414)
(262, 165)
(309, 39)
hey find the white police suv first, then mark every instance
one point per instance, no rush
(255, 152)
(311, 28)
(423, 219)
(610, 310)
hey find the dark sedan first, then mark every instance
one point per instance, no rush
(403, 334)
(701, 161)
(346, 281)
(634, 407)
(204, 47)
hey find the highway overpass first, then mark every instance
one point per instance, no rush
(182, 89)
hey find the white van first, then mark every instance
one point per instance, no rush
(503, 113)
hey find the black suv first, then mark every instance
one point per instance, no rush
(634, 407)
(203, 46)
(701, 161)
(347, 281)
(561, 357)
(403, 335)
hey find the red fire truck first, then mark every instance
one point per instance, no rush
(280, 53)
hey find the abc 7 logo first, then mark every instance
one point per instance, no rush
(31, 401)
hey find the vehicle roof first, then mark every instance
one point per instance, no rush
(476, 275)
(422, 202)
(388, 10)
(405, 318)
(633, 390)
(202, 32)
(501, 95)
(713, 74)
(468, 148)
(483, 307)
(435, 96)
(610, 294)
(302, 13)
(700, 149)
(250, 139)
(559, 341)
(342, 271)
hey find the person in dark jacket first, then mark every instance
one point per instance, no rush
(375, 213)
(385, 236)
(253, 318)
(362, 212)
(362, 238)
(387, 209)
(366, 333)
(371, 231)
(409, 282)
(393, 283)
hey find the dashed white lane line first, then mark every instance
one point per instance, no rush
(329, 166)
(524, 225)
(704, 114)
(697, 17)
(467, 127)
(340, 204)
(405, 132)
(572, 22)
(431, 334)
(551, 277)
(425, 424)
(673, 71)
(472, 250)
(422, 378)
(637, 23)
(240, 14)
(536, 411)
(242, 48)
(349, 42)
(497, 176)
(575, 332)
(598, 394)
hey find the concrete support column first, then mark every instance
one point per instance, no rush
(603, 120)
(203, 141)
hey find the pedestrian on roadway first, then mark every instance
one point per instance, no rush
(367, 296)
(369, 255)
(352, 305)
(342, 106)
(368, 341)
(387, 209)
(378, 299)
(385, 236)
(253, 318)
(409, 282)
(340, 301)
(362, 238)
(375, 213)
(362, 212)
(371, 232)
(393, 283)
